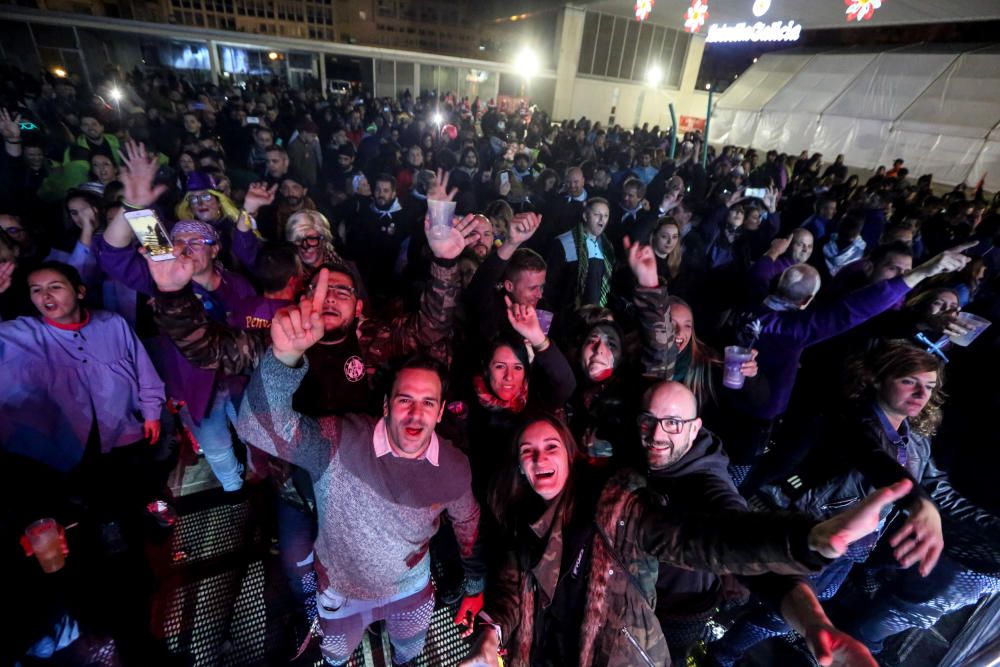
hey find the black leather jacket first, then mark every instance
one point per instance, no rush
(857, 456)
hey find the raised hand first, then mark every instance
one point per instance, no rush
(524, 320)
(522, 227)
(771, 199)
(170, 275)
(297, 328)
(138, 175)
(10, 127)
(642, 261)
(832, 537)
(779, 246)
(463, 234)
(948, 261)
(258, 195)
(440, 188)
(670, 202)
(735, 197)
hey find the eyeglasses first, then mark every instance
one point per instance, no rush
(672, 425)
(340, 292)
(204, 199)
(197, 245)
(309, 241)
(14, 231)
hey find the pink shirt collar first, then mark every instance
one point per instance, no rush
(381, 442)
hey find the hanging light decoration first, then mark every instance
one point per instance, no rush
(695, 17)
(861, 10)
(643, 9)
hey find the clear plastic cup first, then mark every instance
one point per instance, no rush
(442, 214)
(545, 319)
(975, 324)
(44, 538)
(736, 356)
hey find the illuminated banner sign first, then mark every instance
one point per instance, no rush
(778, 31)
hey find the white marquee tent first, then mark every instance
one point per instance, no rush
(936, 107)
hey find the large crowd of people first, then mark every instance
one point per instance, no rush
(633, 388)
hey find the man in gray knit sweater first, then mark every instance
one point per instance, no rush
(381, 487)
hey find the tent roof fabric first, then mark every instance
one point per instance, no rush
(757, 85)
(942, 99)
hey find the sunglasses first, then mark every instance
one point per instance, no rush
(309, 241)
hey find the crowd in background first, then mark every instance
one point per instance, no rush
(588, 404)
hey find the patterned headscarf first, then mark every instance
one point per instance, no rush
(202, 229)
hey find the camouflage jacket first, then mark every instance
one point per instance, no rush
(633, 534)
(211, 345)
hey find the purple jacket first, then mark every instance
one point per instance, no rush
(762, 274)
(184, 381)
(256, 313)
(785, 334)
(59, 384)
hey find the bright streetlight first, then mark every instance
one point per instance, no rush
(60, 72)
(654, 75)
(526, 63)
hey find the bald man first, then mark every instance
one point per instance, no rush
(687, 465)
(687, 469)
(783, 326)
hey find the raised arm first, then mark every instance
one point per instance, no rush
(267, 419)
(823, 322)
(550, 363)
(432, 326)
(659, 351)
(755, 543)
(181, 317)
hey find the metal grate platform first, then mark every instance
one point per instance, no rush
(223, 603)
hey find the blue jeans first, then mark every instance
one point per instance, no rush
(296, 534)
(216, 441)
(908, 600)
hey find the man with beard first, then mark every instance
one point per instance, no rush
(687, 471)
(343, 359)
(93, 139)
(476, 254)
(293, 196)
(344, 170)
(382, 488)
(375, 237)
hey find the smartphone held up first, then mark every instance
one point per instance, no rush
(151, 234)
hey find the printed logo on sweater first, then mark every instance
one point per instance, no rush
(354, 368)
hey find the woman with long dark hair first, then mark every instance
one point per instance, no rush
(578, 584)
